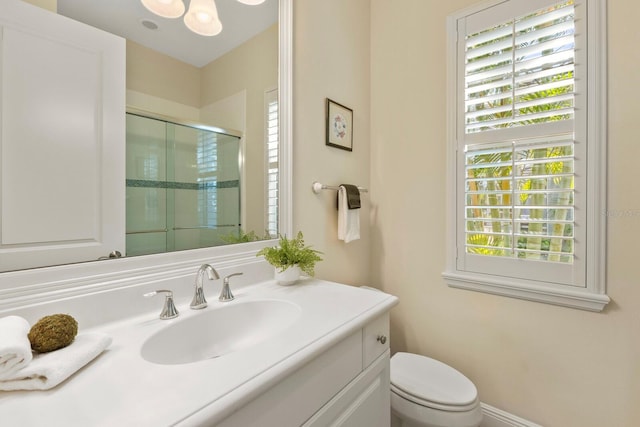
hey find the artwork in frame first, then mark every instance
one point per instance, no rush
(339, 126)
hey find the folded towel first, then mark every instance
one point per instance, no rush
(15, 348)
(47, 370)
(348, 219)
(353, 196)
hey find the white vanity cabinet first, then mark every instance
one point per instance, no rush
(346, 385)
(329, 367)
(62, 113)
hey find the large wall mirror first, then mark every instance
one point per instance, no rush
(204, 117)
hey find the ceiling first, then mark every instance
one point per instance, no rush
(125, 18)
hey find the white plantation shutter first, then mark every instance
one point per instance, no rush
(272, 145)
(519, 199)
(521, 71)
(519, 193)
(528, 131)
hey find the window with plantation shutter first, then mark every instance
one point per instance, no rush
(527, 146)
(272, 147)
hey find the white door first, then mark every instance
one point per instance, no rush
(62, 139)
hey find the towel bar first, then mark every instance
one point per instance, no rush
(317, 187)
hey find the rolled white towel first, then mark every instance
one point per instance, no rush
(47, 370)
(15, 348)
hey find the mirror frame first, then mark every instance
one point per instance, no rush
(38, 285)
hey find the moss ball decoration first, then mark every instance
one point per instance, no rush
(53, 332)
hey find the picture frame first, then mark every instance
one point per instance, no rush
(339, 126)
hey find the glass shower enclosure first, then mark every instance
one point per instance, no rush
(182, 186)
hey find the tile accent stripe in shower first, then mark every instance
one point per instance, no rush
(144, 183)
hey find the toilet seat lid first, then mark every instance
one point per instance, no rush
(429, 380)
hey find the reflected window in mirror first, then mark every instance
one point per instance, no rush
(272, 147)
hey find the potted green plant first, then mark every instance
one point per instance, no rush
(291, 258)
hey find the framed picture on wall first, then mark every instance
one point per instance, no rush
(339, 126)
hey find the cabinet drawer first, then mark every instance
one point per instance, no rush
(375, 339)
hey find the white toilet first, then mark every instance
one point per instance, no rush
(428, 393)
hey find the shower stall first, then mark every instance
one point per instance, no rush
(182, 185)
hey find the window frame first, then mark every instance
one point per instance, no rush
(590, 295)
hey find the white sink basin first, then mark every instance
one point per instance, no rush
(220, 331)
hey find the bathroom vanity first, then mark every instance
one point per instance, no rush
(325, 363)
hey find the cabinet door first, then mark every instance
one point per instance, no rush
(62, 118)
(364, 402)
(372, 407)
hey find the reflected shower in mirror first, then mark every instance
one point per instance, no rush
(182, 186)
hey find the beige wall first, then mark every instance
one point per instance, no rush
(554, 366)
(331, 60)
(51, 5)
(153, 73)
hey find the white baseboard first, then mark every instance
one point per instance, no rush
(494, 417)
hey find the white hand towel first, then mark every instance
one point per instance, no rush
(47, 370)
(15, 348)
(348, 219)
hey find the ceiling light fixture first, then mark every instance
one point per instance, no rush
(165, 8)
(201, 18)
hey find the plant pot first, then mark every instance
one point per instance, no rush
(288, 276)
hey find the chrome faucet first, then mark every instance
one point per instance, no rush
(199, 301)
(225, 294)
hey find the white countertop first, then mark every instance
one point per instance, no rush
(120, 388)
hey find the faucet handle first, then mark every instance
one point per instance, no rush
(225, 294)
(169, 310)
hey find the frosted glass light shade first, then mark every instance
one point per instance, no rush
(202, 18)
(251, 2)
(165, 8)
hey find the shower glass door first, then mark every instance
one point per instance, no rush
(183, 186)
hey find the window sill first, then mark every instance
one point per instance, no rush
(549, 294)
